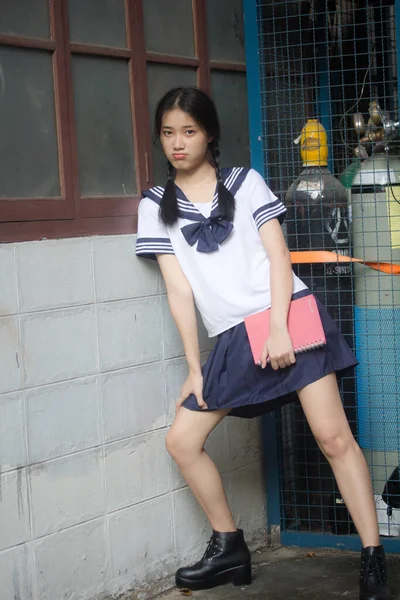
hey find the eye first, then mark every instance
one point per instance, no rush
(190, 131)
(166, 133)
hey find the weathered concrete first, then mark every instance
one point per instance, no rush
(297, 574)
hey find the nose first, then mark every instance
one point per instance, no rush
(178, 142)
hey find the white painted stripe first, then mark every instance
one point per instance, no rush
(148, 245)
(263, 218)
(158, 191)
(154, 245)
(274, 209)
(187, 207)
(271, 209)
(266, 219)
(229, 182)
(154, 251)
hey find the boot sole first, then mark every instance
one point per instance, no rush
(237, 575)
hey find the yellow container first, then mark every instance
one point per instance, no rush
(314, 144)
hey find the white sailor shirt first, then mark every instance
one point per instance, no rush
(225, 263)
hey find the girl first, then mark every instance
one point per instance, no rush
(217, 237)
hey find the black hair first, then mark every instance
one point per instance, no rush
(201, 108)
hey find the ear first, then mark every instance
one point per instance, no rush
(210, 139)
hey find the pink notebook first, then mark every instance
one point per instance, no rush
(304, 324)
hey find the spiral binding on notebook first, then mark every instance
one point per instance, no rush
(313, 346)
(300, 350)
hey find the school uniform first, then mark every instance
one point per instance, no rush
(229, 272)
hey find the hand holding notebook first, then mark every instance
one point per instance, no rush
(304, 325)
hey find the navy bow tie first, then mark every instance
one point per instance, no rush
(208, 233)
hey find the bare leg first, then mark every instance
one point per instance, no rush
(325, 414)
(185, 443)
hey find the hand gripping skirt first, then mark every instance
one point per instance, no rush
(232, 381)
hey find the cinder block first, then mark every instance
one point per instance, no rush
(136, 470)
(119, 273)
(54, 274)
(142, 542)
(192, 529)
(129, 333)
(12, 432)
(176, 371)
(247, 497)
(205, 343)
(14, 513)
(73, 563)
(8, 281)
(67, 491)
(173, 346)
(16, 573)
(59, 345)
(244, 441)
(10, 355)
(133, 401)
(63, 418)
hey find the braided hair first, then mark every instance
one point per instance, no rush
(226, 202)
(201, 108)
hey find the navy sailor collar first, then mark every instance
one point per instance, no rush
(232, 178)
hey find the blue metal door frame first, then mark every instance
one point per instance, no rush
(258, 154)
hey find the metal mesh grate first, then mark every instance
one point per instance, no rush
(328, 60)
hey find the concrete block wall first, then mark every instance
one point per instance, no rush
(90, 367)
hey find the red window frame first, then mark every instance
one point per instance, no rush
(72, 214)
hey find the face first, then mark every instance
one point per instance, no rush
(184, 142)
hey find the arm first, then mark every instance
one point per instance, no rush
(279, 346)
(181, 303)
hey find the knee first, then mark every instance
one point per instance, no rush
(335, 445)
(180, 447)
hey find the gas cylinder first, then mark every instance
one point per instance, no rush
(318, 219)
(375, 199)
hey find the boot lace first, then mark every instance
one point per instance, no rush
(373, 566)
(212, 548)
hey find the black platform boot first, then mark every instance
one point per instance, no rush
(373, 584)
(226, 559)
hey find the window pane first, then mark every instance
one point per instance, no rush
(25, 17)
(104, 126)
(169, 27)
(161, 78)
(28, 140)
(98, 22)
(230, 95)
(225, 30)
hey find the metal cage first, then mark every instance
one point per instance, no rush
(336, 62)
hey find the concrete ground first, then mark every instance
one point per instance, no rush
(299, 574)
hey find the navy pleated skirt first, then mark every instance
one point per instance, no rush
(232, 381)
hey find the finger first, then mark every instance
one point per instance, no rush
(281, 362)
(201, 402)
(287, 360)
(292, 358)
(263, 360)
(179, 402)
(274, 364)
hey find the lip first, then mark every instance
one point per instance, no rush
(179, 156)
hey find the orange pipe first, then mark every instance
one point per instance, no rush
(324, 256)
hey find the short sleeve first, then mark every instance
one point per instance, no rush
(152, 236)
(264, 204)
